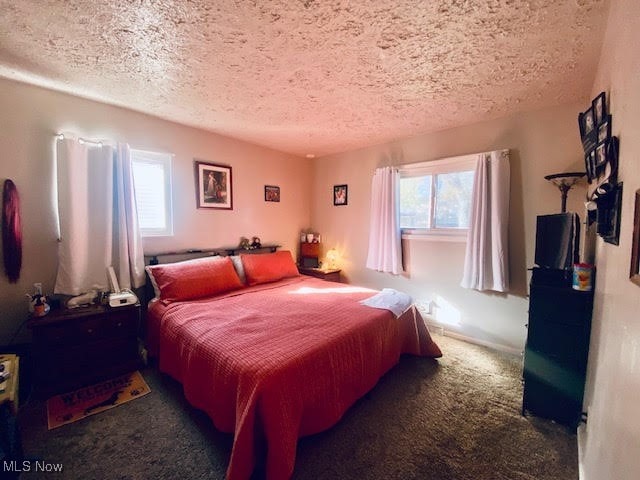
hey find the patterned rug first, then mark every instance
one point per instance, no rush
(70, 407)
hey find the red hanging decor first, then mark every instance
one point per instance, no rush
(11, 231)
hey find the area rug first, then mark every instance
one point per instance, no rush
(84, 402)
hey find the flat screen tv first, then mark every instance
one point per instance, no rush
(557, 240)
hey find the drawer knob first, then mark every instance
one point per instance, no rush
(119, 324)
(90, 330)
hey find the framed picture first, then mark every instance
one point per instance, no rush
(213, 186)
(599, 109)
(604, 129)
(609, 210)
(590, 165)
(588, 123)
(601, 153)
(634, 274)
(588, 132)
(271, 193)
(340, 194)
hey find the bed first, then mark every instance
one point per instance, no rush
(270, 355)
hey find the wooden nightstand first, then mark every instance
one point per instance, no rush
(332, 275)
(77, 347)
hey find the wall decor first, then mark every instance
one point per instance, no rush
(595, 133)
(271, 193)
(340, 194)
(599, 108)
(601, 164)
(11, 231)
(609, 209)
(634, 273)
(604, 129)
(587, 130)
(213, 186)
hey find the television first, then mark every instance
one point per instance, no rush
(557, 240)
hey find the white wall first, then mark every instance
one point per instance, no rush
(611, 440)
(29, 118)
(541, 142)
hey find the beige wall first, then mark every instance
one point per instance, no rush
(611, 440)
(542, 142)
(29, 118)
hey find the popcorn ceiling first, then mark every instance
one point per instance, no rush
(312, 76)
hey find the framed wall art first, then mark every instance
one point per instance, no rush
(213, 186)
(634, 274)
(271, 193)
(340, 194)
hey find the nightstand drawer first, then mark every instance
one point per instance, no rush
(85, 330)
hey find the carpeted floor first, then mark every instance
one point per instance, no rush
(454, 418)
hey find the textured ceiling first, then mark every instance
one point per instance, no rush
(305, 76)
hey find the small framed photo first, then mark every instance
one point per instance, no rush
(213, 186)
(599, 109)
(601, 153)
(271, 193)
(604, 129)
(588, 123)
(634, 273)
(340, 194)
(590, 165)
(588, 132)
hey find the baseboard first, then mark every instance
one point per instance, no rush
(582, 438)
(442, 330)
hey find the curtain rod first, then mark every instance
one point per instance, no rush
(60, 136)
(444, 161)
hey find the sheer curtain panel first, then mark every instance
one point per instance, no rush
(97, 217)
(486, 264)
(384, 235)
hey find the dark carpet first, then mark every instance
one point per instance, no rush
(454, 418)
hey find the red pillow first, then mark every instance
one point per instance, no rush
(269, 267)
(195, 278)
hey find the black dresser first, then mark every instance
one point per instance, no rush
(555, 361)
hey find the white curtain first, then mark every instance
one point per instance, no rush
(384, 234)
(486, 264)
(97, 218)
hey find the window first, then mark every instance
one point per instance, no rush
(435, 197)
(152, 180)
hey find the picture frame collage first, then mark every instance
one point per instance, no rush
(600, 147)
(604, 192)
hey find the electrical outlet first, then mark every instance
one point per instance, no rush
(425, 306)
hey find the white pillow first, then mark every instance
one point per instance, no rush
(237, 262)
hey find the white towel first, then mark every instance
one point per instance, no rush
(389, 299)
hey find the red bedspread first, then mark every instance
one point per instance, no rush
(276, 362)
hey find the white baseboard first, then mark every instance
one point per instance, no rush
(582, 438)
(442, 330)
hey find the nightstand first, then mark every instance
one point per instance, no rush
(331, 275)
(73, 348)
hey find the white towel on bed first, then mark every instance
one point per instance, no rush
(389, 299)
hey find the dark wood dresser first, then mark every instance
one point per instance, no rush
(555, 362)
(77, 347)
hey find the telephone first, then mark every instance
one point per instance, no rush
(117, 297)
